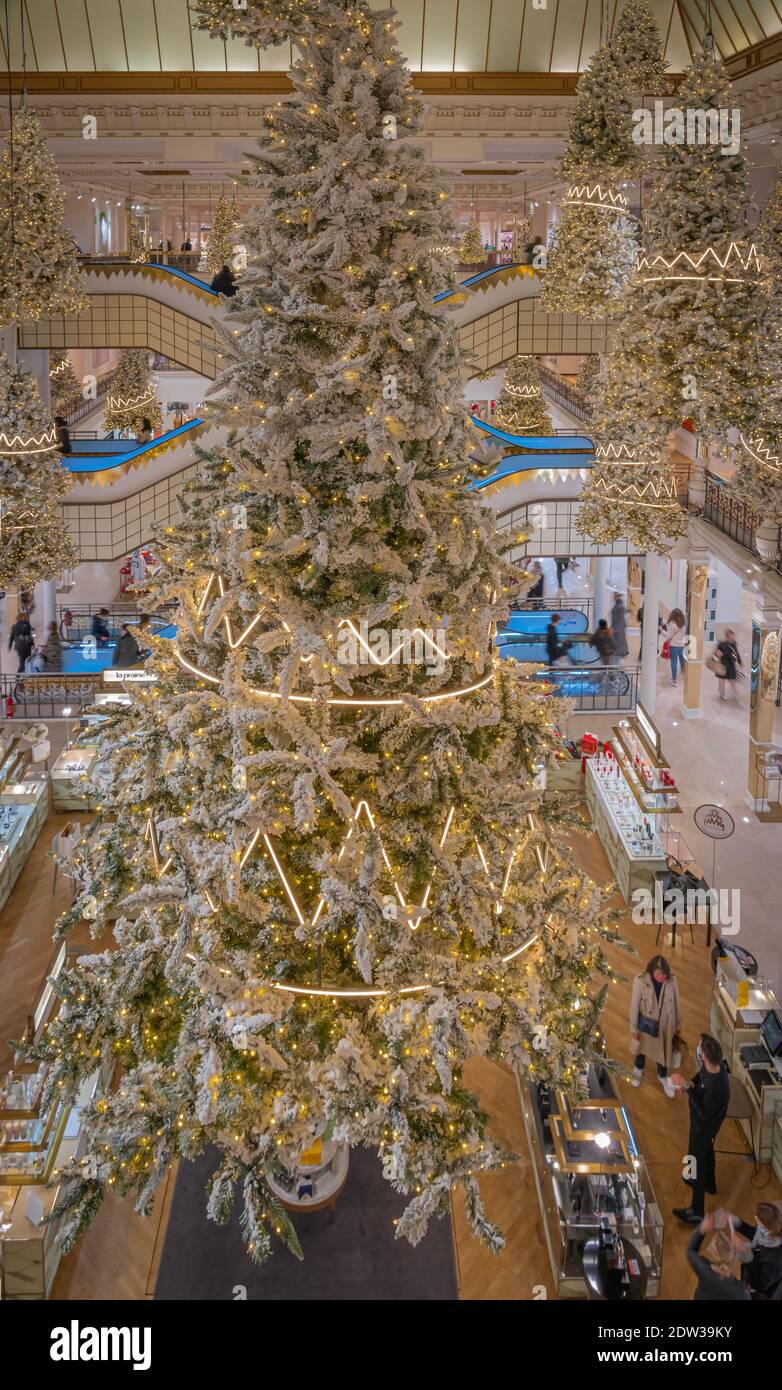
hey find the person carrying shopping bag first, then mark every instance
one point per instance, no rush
(655, 1021)
(676, 638)
(725, 661)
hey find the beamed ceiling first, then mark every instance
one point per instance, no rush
(475, 36)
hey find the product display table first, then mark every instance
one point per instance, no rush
(24, 807)
(634, 858)
(316, 1185)
(70, 789)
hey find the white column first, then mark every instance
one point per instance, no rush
(651, 604)
(600, 588)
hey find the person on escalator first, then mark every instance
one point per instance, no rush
(602, 639)
(127, 651)
(554, 648)
(224, 282)
(63, 435)
(100, 627)
(145, 433)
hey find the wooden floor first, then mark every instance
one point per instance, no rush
(118, 1257)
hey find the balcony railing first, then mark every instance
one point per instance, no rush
(562, 393)
(549, 528)
(596, 690)
(731, 516)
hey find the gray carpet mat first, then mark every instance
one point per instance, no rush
(349, 1255)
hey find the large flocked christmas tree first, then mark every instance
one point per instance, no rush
(132, 398)
(39, 272)
(317, 859)
(521, 408)
(35, 542)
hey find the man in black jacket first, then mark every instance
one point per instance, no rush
(708, 1095)
(763, 1270)
(554, 648)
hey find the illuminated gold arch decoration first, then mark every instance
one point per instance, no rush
(733, 268)
(584, 195)
(758, 449)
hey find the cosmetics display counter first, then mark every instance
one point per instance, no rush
(593, 1186)
(70, 774)
(24, 807)
(36, 1141)
(631, 793)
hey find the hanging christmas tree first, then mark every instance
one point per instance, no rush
(39, 272)
(521, 408)
(600, 128)
(64, 385)
(637, 49)
(692, 325)
(471, 250)
(222, 237)
(35, 542)
(137, 251)
(321, 864)
(631, 495)
(132, 398)
(592, 256)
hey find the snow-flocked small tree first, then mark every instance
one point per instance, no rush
(521, 407)
(65, 390)
(471, 249)
(131, 398)
(35, 542)
(39, 272)
(222, 237)
(317, 864)
(137, 251)
(638, 51)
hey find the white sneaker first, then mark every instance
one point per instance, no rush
(671, 682)
(637, 1077)
(667, 1086)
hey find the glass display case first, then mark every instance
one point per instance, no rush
(590, 1180)
(24, 807)
(71, 789)
(631, 842)
(648, 776)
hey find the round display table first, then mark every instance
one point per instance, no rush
(317, 1185)
(605, 1283)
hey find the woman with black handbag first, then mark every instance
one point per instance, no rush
(655, 1021)
(725, 661)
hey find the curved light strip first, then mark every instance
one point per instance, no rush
(350, 704)
(747, 262)
(582, 196)
(117, 403)
(326, 992)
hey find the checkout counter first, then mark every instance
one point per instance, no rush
(603, 1228)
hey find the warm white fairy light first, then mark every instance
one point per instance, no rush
(150, 833)
(132, 402)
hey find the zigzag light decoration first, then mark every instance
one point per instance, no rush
(657, 494)
(17, 445)
(116, 403)
(683, 266)
(594, 196)
(761, 453)
(622, 456)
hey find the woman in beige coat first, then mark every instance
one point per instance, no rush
(655, 1019)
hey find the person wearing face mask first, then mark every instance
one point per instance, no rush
(655, 1019)
(717, 1281)
(763, 1269)
(708, 1095)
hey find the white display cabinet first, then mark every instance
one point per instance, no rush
(71, 789)
(24, 807)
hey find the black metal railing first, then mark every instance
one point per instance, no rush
(85, 407)
(593, 690)
(729, 514)
(45, 697)
(75, 620)
(555, 603)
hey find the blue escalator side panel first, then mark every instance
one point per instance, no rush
(523, 637)
(539, 443)
(94, 455)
